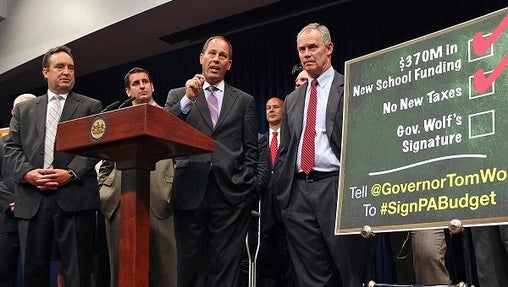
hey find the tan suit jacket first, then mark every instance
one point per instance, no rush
(161, 181)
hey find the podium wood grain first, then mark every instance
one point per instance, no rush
(135, 138)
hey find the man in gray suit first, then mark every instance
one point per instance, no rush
(139, 87)
(55, 199)
(306, 172)
(213, 193)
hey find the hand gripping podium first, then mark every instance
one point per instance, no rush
(135, 138)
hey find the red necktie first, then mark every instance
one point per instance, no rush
(309, 134)
(274, 146)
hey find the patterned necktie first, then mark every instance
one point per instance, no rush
(213, 105)
(274, 147)
(309, 135)
(55, 109)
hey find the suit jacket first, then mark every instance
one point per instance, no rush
(233, 163)
(268, 210)
(263, 174)
(291, 131)
(161, 181)
(264, 168)
(25, 151)
(7, 221)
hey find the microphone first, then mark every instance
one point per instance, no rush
(111, 106)
(126, 102)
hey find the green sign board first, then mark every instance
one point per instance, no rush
(425, 135)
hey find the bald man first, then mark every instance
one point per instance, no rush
(274, 265)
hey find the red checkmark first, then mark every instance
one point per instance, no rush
(481, 45)
(482, 83)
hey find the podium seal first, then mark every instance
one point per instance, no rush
(98, 127)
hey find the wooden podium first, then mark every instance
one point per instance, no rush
(135, 138)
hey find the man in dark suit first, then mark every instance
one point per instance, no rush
(491, 254)
(56, 193)
(274, 265)
(9, 253)
(306, 172)
(263, 173)
(139, 87)
(212, 193)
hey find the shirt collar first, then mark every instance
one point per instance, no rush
(51, 95)
(325, 78)
(272, 130)
(219, 86)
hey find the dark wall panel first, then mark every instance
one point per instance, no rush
(265, 55)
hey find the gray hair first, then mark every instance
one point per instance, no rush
(22, 98)
(323, 30)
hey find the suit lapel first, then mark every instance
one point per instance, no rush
(71, 104)
(202, 106)
(42, 106)
(228, 99)
(332, 107)
(299, 112)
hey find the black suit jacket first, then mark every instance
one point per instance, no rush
(264, 168)
(269, 209)
(291, 131)
(25, 151)
(234, 160)
(7, 220)
(263, 174)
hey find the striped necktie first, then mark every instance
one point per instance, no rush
(213, 105)
(55, 110)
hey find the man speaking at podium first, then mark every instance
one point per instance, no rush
(56, 193)
(212, 193)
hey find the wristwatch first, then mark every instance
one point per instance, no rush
(72, 175)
